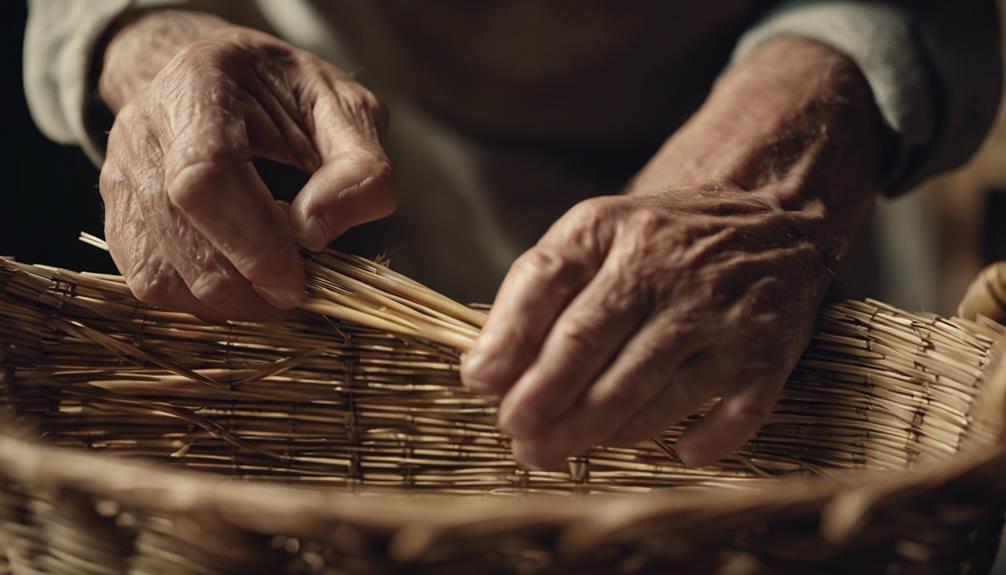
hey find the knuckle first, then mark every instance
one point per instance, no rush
(222, 52)
(189, 187)
(590, 227)
(126, 116)
(593, 209)
(681, 331)
(647, 221)
(550, 265)
(265, 263)
(579, 338)
(150, 282)
(647, 357)
(212, 287)
(363, 109)
(619, 397)
(184, 197)
(375, 185)
(630, 288)
(369, 103)
(583, 225)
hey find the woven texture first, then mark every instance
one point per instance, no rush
(360, 451)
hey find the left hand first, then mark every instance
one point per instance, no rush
(632, 311)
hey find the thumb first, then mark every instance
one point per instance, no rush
(355, 185)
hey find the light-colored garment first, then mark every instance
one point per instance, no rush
(506, 112)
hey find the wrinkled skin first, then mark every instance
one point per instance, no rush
(632, 311)
(188, 220)
(702, 281)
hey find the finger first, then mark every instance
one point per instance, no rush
(583, 341)
(217, 285)
(210, 277)
(137, 152)
(539, 285)
(137, 255)
(193, 163)
(355, 183)
(151, 279)
(228, 203)
(733, 420)
(157, 284)
(354, 187)
(705, 371)
(644, 368)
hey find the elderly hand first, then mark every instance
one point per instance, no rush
(188, 221)
(632, 311)
(703, 281)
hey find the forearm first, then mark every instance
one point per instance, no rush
(795, 121)
(141, 43)
(934, 68)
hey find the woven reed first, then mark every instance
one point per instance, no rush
(361, 452)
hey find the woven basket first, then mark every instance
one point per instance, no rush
(144, 442)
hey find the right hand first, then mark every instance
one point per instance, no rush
(188, 221)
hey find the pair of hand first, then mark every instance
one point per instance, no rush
(626, 316)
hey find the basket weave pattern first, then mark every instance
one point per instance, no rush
(361, 452)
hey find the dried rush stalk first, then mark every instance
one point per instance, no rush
(359, 291)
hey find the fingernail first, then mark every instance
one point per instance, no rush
(282, 298)
(315, 236)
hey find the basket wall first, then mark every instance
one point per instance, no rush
(329, 416)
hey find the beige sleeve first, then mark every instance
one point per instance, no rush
(935, 69)
(59, 76)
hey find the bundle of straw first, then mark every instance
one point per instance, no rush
(357, 392)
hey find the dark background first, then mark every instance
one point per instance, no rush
(52, 190)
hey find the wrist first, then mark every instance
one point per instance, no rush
(141, 42)
(795, 122)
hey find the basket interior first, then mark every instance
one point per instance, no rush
(323, 401)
